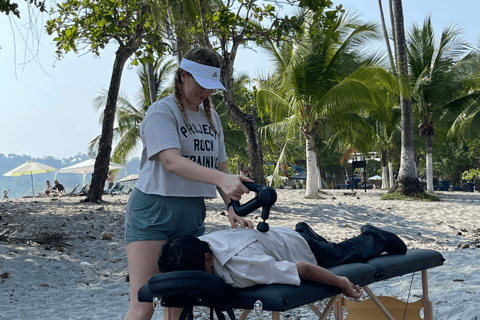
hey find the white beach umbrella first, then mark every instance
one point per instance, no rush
(375, 178)
(31, 168)
(130, 177)
(87, 167)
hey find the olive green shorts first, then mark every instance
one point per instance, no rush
(153, 217)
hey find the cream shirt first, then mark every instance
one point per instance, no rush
(246, 257)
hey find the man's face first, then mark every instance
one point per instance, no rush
(209, 263)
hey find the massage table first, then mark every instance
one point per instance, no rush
(186, 289)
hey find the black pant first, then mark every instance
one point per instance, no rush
(359, 249)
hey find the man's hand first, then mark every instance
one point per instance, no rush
(233, 218)
(315, 273)
(349, 289)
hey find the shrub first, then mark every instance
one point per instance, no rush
(471, 174)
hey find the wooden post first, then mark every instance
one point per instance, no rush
(378, 303)
(427, 304)
(338, 310)
(244, 314)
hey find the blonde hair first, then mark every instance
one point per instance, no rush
(204, 56)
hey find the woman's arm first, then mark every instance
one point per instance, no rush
(233, 218)
(231, 185)
(315, 273)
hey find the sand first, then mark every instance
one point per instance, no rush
(83, 276)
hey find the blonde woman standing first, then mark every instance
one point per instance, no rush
(183, 162)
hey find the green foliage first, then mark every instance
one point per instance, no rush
(417, 197)
(98, 22)
(471, 175)
(245, 20)
(319, 89)
(11, 7)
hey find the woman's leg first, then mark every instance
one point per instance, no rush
(142, 264)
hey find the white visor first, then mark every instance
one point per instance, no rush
(206, 76)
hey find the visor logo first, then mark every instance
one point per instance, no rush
(215, 75)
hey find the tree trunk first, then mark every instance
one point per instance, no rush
(429, 164)
(312, 180)
(246, 121)
(383, 160)
(102, 161)
(320, 179)
(384, 178)
(394, 37)
(152, 87)
(390, 172)
(204, 25)
(385, 35)
(407, 181)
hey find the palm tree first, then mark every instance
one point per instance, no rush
(407, 180)
(311, 87)
(437, 74)
(129, 116)
(462, 115)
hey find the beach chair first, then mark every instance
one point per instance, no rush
(83, 191)
(117, 189)
(186, 289)
(74, 189)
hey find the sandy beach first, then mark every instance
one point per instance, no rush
(75, 274)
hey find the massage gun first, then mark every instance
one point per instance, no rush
(265, 198)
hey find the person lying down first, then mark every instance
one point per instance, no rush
(246, 257)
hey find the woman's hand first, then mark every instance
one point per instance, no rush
(349, 289)
(233, 218)
(233, 187)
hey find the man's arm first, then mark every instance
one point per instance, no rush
(315, 273)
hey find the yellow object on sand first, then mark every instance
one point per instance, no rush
(368, 310)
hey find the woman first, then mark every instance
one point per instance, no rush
(183, 161)
(46, 192)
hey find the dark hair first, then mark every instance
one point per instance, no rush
(183, 253)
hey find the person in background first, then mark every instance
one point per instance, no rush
(5, 194)
(110, 179)
(58, 188)
(183, 162)
(47, 191)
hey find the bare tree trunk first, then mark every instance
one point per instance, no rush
(392, 23)
(247, 122)
(204, 25)
(407, 181)
(385, 35)
(102, 161)
(152, 87)
(312, 180)
(429, 162)
(390, 172)
(383, 160)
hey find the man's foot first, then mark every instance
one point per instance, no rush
(394, 244)
(303, 227)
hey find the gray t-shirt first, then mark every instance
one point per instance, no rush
(246, 257)
(163, 128)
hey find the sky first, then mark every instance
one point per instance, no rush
(46, 106)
